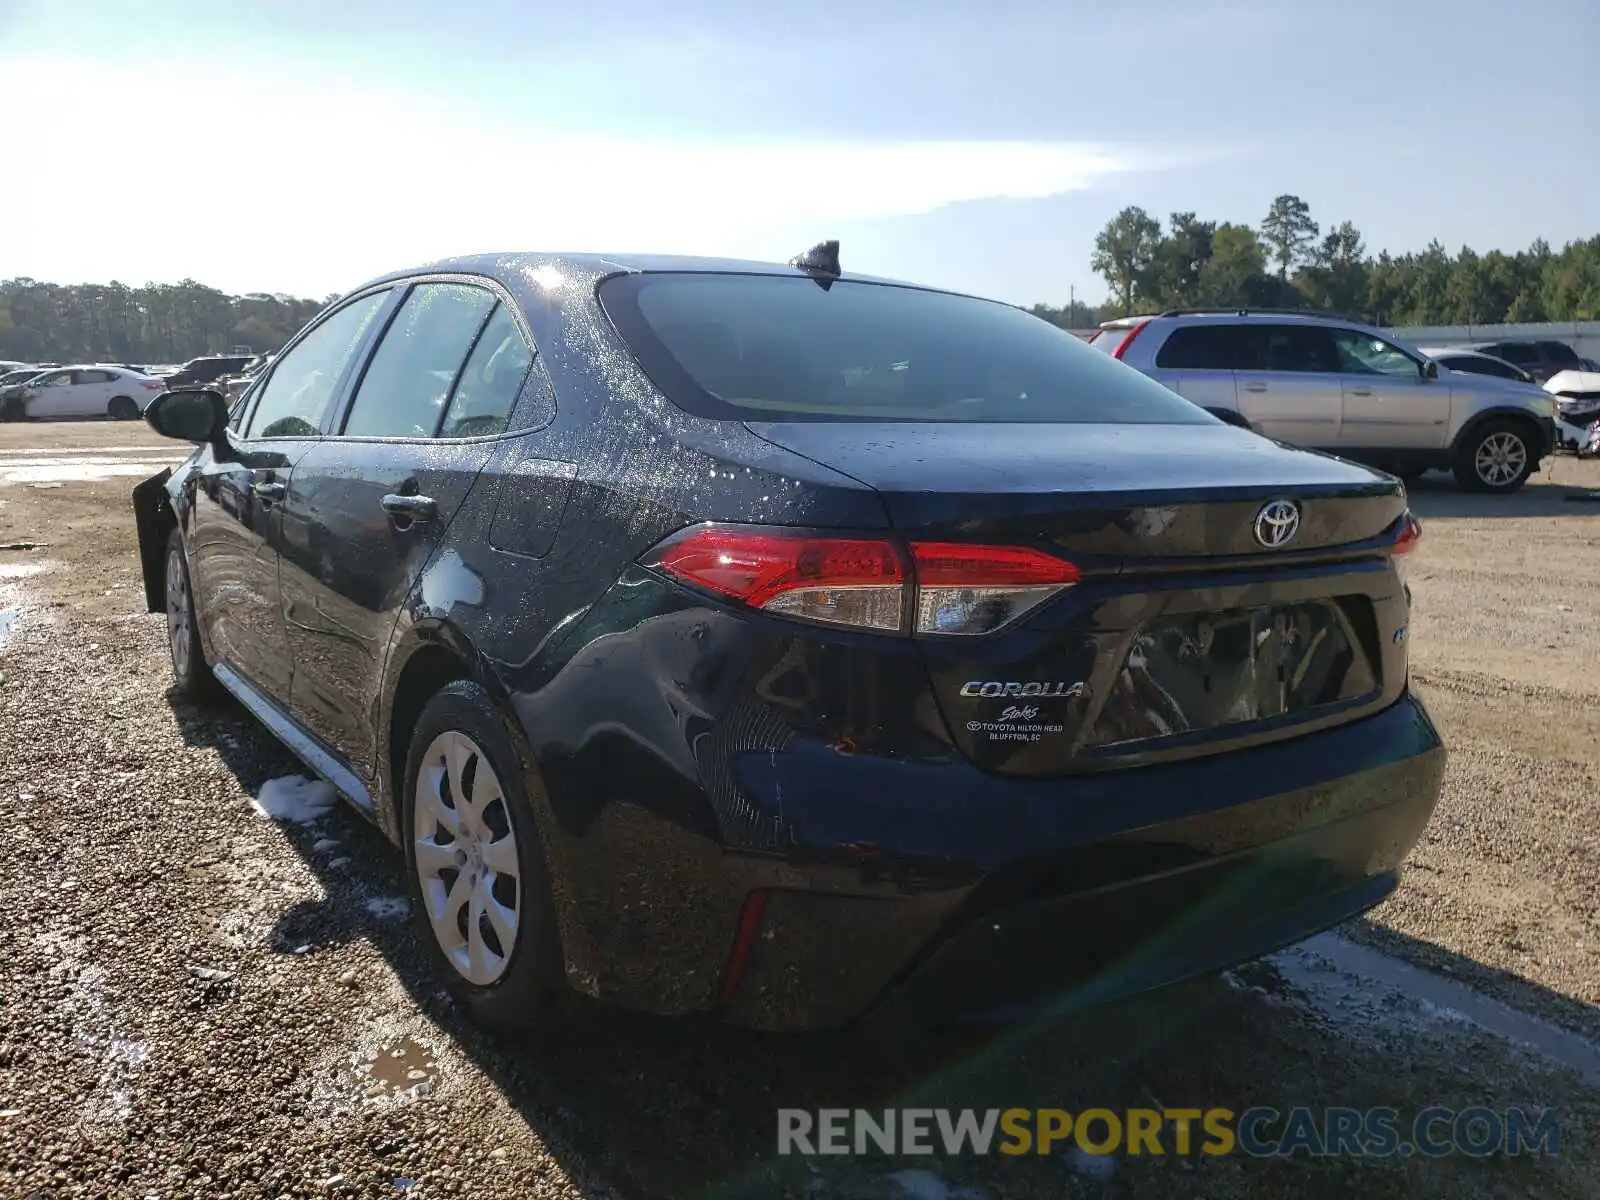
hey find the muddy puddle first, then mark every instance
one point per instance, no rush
(402, 1066)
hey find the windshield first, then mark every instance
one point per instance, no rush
(765, 347)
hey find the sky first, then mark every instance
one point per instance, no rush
(302, 147)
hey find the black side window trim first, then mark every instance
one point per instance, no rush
(340, 414)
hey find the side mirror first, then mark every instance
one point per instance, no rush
(1430, 369)
(197, 415)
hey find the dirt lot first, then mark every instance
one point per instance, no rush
(199, 1002)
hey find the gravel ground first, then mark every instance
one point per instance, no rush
(198, 1001)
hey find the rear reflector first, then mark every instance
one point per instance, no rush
(959, 588)
(744, 938)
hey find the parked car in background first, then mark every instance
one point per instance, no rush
(1475, 362)
(7, 366)
(89, 391)
(233, 386)
(1332, 384)
(22, 375)
(1577, 396)
(207, 369)
(1541, 359)
(796, 654)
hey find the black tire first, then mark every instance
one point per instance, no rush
(122, 408)
(1236, 419)
(1481, 442)
(13, 410)
(190, 670)
(532, 977)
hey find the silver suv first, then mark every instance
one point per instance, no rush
(1336, 385)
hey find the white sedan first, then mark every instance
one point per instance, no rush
(95, 391)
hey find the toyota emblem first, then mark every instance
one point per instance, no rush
(1277, 523)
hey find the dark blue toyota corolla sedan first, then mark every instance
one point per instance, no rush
(794, 646)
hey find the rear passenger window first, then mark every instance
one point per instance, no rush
(1300, 348)
(1199, 347)
(414, 368)
(499, 363)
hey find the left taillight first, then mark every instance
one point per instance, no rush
(938, 588)
(154, 385)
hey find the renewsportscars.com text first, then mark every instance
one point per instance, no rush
(1261, 1132)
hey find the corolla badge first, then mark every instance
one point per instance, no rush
(978, 687)
(1277, 523)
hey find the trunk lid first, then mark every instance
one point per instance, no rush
(1186, 635)
(1107, 493)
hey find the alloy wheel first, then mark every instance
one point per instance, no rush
(178, 618)
(465, 850)
(1500, 459)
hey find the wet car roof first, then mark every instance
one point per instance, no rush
(518, 262)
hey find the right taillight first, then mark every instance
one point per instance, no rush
(956, 588)
(1410, 534)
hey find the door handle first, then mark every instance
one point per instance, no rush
(1255, 387)
(269, 491)
(1361, 391)
(409, 508)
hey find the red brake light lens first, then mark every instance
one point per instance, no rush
(959, 588)
(840, 581)
(1410, 534)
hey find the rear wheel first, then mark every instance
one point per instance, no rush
(122, 408)
(476, 867)
(1495, 457)
(189, 666)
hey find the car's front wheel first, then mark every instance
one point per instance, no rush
(13, 409)
(475, 861)
(1496, 457)
(122, 408)
(189, 666)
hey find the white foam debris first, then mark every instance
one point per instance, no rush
(388, 908)
(295, 800)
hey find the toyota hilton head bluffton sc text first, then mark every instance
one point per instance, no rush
(794, 646)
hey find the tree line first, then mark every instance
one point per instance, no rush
(156, 323)
(1289, 261)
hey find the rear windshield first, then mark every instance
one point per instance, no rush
(1107, 340)
(776, 347)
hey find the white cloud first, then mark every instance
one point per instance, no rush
(249, 180)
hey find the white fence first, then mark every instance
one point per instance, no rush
(1582, 336)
